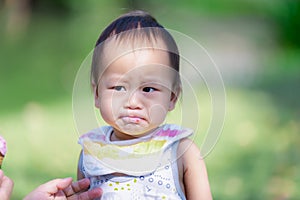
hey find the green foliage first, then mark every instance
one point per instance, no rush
(40, 62)
(255, 157)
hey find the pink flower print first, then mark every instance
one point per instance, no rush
(168, 132)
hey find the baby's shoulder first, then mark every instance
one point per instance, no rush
(188, 150)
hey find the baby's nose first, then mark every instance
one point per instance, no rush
(134, 100)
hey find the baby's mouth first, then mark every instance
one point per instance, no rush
(132, 119)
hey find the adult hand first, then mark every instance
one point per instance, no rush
(64, 189)
(6, 186)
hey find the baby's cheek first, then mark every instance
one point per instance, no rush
(106, 111)
(157, 114)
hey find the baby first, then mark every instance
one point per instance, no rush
(135, 80)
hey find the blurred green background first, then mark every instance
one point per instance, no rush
(255, 44)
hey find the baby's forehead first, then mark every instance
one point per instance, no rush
(122, 44)
(137, 62)
(112, 50)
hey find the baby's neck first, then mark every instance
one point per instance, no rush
(115, 137)
(121, 137)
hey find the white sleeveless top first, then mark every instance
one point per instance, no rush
(149, 163)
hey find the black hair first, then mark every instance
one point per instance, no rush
(129, 21)
(147, 28)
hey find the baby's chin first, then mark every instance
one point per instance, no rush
(134, 130)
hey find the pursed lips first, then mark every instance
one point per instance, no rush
(132, 119)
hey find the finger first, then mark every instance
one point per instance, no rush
(64, 183)
(94, 193)
(88, 195)
(60, 195)
(55, 185)
(1, 176)
(6, 187)
(78, 186)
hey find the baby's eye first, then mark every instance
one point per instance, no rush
(119, 88)
(149, 89)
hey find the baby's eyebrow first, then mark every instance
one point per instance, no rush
(153, 78)
(151, 82)
(116, 79)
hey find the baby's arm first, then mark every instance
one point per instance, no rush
(79, 173)
(195, 179)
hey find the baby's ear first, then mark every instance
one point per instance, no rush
(172, 102)
(174, 97)
(96, 95)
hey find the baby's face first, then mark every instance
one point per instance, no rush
(135, 92)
